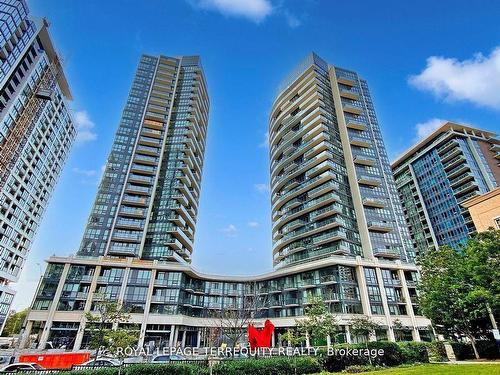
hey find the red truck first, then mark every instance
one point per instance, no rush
(56, 361)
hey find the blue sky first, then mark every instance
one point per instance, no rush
(424, 62)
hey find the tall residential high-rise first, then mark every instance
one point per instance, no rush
(438, 174)
(332, 189)
(36, 134)
(336, 229)
(147, 201)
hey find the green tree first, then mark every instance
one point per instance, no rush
(291, 337)
(100, 322)
(14, 323)
(117, 340)
(363, 326)
(459, 288)
(319, 322)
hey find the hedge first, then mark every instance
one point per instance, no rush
(269, 366)
(395, 354)
(487, 349)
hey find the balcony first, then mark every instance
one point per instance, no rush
(447, 146)
(380, 226)
(466, 188)
(127, 236)
(346, 81)
(129, 223)
(356, 125)
(352, 109)
(370, 181)
(160, 299)
(360, 142)
(145, 159)
(143, 169)
(461, 169)
(146, 141)
(132, 211)
(330, 237)
(118, 249)
(349, 94)
(138, 179)
(392, 253)
(495, 147)
(136, 189)
(151, 133)
(461, 179)
(454, 162)
(450, 154)
(152, 124)
(364, 160)
(106, 279)
(86, 278)
(174, 243)
(82, 295)
(328, 279)
(135, 200)
(374, 202)
(152, 151)
(342, 249)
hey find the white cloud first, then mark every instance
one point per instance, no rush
(423, 129)
(476, 80)
(84, 126)
(261, 188)
(255, 10)
(230, 231)
(265, 141)
(292, 20)
(253, 224)
(85, 172)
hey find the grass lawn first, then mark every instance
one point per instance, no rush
(472, 369)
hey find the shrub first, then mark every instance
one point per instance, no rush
(163, 369)
(414, 352)
(395, 354)
(437, 352)
(486, 348)
(97, 371)
(268, 366)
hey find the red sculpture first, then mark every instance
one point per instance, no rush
(260, 338)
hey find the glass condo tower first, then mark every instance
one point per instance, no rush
(338, 230)
(36, 134)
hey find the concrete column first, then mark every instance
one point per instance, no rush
(273, 340)
(126, 273)
(53, 307)
(198, 340)
(145, 317)
(307, 340)
(348, 334)
(383, 296)
(176, 335)
(364, 235)
(328, 341)
(390, 334)
(26, 335)
(363, 290)
(171, 337)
